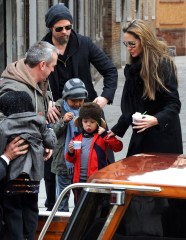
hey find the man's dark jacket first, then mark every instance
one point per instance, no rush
(81, 52)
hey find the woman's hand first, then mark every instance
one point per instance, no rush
(146, 122)
(110, 134)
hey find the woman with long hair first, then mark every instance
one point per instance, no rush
(151, 87)
(151, 90)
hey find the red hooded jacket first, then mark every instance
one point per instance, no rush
(97, 155)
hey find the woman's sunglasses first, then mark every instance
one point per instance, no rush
(131, 44)
(59, 29)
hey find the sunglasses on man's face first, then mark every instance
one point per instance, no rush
(59, 29)
(131, 44)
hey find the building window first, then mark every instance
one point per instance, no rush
(153, 9)
(171, 1)
(128, 9)
(145, 10)
(137, 9)
(118, 11)
(123, 10)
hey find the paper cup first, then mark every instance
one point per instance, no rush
(137, 117)
(77, 144)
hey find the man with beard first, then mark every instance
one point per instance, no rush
(77, 53)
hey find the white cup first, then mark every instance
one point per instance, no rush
(77, 144)
(137, 117)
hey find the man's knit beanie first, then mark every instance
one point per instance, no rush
(90, 110)
(56, 13)
(15, 102)
(74, 89)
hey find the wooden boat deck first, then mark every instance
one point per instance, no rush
(164, 171)
(158, 170)
(56, 227)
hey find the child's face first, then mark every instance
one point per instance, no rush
(89, 124)
(75, 103)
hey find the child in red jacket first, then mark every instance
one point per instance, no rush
(92, 155)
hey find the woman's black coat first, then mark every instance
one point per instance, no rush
(163, 138)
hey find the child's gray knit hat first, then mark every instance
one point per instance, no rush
(74, 89)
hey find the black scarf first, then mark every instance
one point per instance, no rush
(132, 97)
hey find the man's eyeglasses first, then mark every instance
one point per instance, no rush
(131, 44)
(59, 29)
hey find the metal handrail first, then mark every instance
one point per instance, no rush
(95, 186)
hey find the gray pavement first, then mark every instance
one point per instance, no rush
(181, 66)
(112, 113)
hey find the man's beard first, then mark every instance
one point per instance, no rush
(63, 40)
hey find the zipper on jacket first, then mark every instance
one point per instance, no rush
(65, 63)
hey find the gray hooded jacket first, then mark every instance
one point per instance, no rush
(33, 128)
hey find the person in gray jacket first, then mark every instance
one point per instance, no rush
(22, 185)
(30, 75)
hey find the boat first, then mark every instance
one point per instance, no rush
(108, 193)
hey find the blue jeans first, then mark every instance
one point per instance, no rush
(63, 181)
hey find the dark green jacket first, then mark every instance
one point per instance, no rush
(60, 128)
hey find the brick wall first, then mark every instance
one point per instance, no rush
(171, 23)
(111, 32)
(174, 37)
